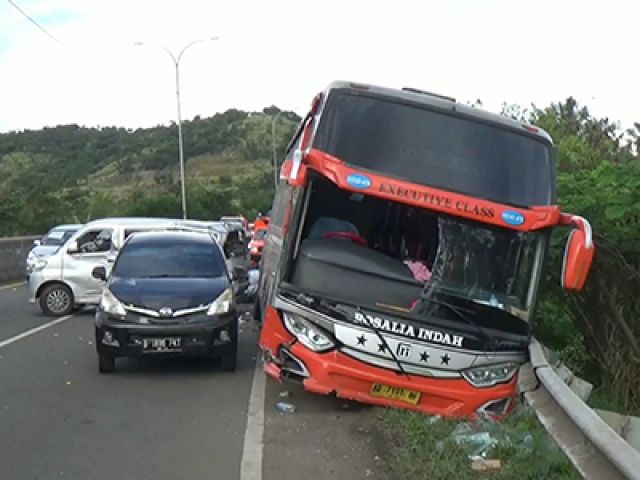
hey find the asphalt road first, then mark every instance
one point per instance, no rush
(161, 418)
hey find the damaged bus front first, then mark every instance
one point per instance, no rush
(405, 251)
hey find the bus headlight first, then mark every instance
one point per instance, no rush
(490, 375)
(307, 333)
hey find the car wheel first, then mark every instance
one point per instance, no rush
(106, 363)
(229, 362)
(56, 300)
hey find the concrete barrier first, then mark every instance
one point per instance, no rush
(13, 253)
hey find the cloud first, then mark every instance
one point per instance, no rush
(283, 52)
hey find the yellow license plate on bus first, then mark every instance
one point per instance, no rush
(395, 393)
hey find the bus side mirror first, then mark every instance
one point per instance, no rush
(36, 243)
(288, 170)
(578, 257)
(296, 164)
(301, 178)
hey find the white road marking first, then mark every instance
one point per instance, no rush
(44, 326)
(12, 285)
(251, 468)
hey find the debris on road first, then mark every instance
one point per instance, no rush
(483, 465)
(285, 394)
(433, 419)
(284, 407)
(477, 442)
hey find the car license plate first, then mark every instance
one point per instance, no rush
(171, 344)
(395, 393)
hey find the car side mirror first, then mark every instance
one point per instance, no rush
(36, 243)
(73, 247)
(99, 273)
(578, 258)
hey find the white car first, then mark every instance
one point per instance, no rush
(50, 243)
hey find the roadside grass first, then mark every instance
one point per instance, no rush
(422, 447)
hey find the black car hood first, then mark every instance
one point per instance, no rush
(176, 293)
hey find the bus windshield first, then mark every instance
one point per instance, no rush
(438, 149)
(371, 251)
(486, 264)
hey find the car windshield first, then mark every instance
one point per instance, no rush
(437, 149)
(169, 259)
(57, 237)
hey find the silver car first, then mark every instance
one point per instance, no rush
(50, 243)
(62, 281)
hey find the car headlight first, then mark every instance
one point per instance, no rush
(110, 304)
(39, 264)
(31, 259)
(307, 333)
(490, 375)
(222, 304)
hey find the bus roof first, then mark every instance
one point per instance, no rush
(439, 102)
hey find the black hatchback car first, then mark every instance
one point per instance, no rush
(168, 293)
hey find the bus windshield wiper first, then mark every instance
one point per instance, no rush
(323, 303)
(376, 330)
(459, 313)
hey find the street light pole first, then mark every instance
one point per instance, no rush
(176, 63)
(183, 186)
(273, 144)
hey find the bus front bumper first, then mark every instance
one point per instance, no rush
(339, 374)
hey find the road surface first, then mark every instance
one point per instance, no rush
(162, 418)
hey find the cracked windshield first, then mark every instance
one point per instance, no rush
(417, 257)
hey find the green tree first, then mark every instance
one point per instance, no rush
(599, 178)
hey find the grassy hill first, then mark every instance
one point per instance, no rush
(71, 173)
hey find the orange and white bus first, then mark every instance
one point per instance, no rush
(405, 251)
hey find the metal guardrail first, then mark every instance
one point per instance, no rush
(594, 448)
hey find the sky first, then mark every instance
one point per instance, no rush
(282, 52)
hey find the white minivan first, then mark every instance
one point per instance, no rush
(63, 281)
